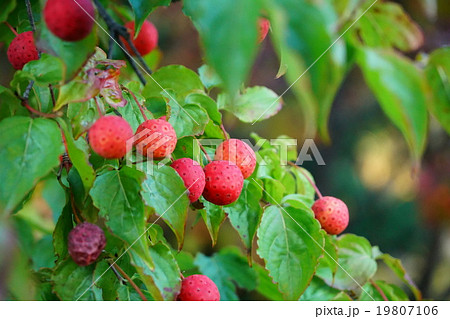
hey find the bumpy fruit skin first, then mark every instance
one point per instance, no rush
(86, 242)
(192, 175)
(263, 29)
(224, 182)
(66, 20)
(238, 152)
(155, 138)
(332, 213)
(22, 50)
(108, 136)
(198, 288)
(147, 39)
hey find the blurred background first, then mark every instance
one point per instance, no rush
(405, 212)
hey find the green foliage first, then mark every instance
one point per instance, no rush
(318, 43)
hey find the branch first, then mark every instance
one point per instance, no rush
(131, 282)
(116, 32)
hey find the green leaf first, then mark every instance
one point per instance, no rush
(228, 30)
(274, 190)
(29, 149)
(328, 264)
(228, 269)
(117, 195)
(245, 214)
(356, 263)
(387, 25)
(180, 79)
(6, 7)
(188, 147)
(131, 112)
(71, 282)
(400, 89)
(164, 191)
(47, 70)
(437, 72)
(254, 104)
(106, 281)
(209, 77)
(208, 104)
(9, 104)
(187, 120)
(166, 275)
(82, 115)
(319, 291)
(392, 292)
(304, 33)
(397, 267)
(142, 8)
(61, 233)
(266, 286)
(213, 216)
(290, 242)
(78, 152)
(73, 54)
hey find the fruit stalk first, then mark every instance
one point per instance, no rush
(380, 291)
(127, 278)
(308, 178)
(203, 150)
(11, 28)
(141, 108)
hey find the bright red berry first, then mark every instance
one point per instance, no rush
(224, 182)
(238, 152)
(198, 288)
(263, 29)
(332, 213)
(155, 138)
(147, 39)
(69, 20)
(109, 135)
(192, 175)
(22, 50)
(86, 242)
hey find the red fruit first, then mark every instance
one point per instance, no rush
(109, 135)
(86, 242)
(68, 19)
(332, 213)
(155, 138)
(22, 50)
(224, 182)
(239, 153)
(198, 288)
(192, 175)
(264, 26)
(147, 39)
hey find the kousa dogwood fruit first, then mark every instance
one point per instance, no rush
(192, 175)
(22, 50)
(198, 288)
(85, 243)
(332, 213)
(238, 152)
(109, 135)
(224, 182)
(155, 138)
(147, 39)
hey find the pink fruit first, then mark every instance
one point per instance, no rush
(22, 50)
(224, 182)
(86, 242)
(155, 138)
(198, 288)
(332, 213)
(147, 39)
(238, 152)
(109, 135)
(192, 175)
(69, 20)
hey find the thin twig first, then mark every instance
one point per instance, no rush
(118, 32)
(131, 282)
(203, 150)
(99, 109)
(52, 94)
(11, 28)
(30, 15)
(225, 134)
(381, 292)
(308, 178)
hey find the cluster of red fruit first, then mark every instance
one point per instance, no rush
(220, 182)
(73, 21)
